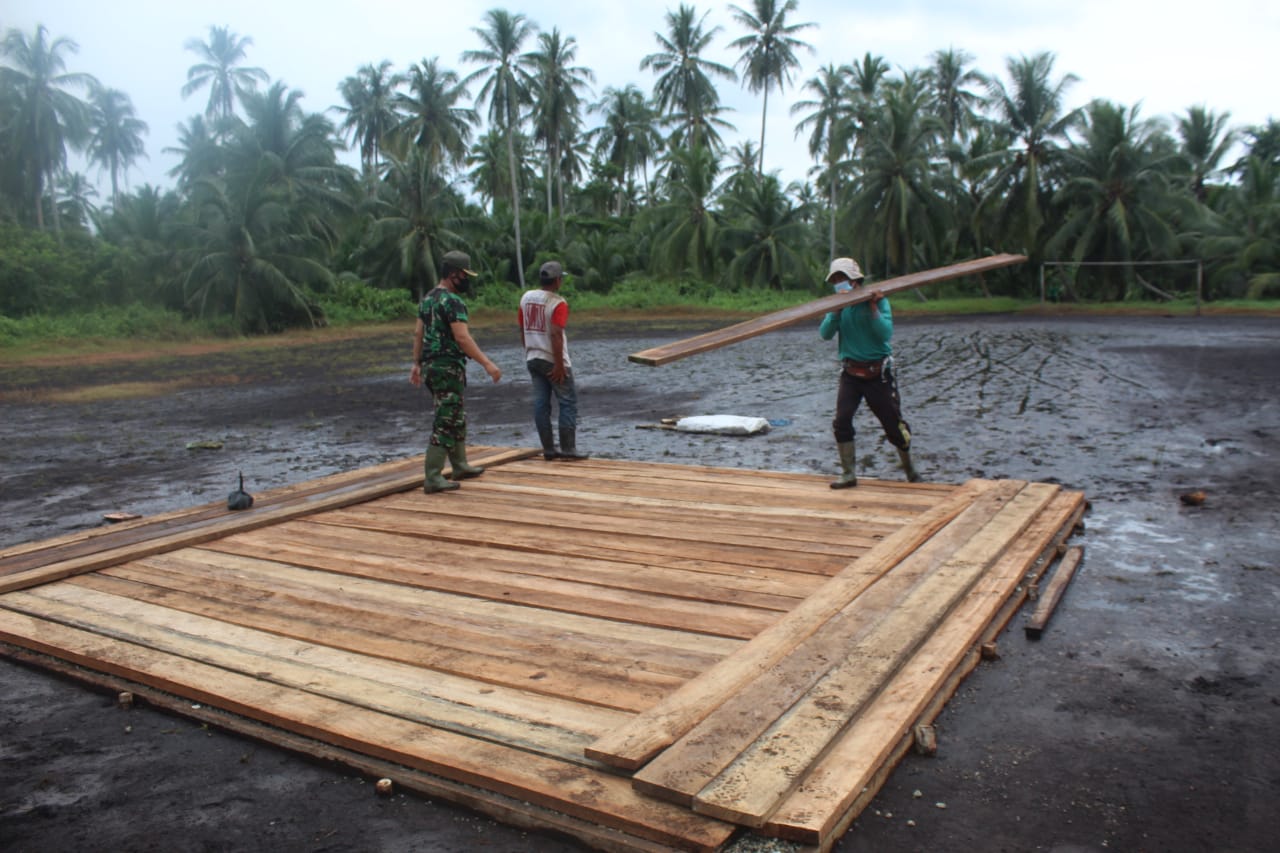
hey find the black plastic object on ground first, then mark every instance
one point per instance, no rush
(239, 499)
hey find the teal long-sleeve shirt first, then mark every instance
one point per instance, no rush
(863, 335)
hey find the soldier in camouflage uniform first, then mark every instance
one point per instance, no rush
(441, 345)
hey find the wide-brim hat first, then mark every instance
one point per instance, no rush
(848, 266)
(459, 261)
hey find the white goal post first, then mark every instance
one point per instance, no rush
(1198, 264)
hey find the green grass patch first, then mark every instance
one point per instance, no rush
(100, 329)
(361, 311)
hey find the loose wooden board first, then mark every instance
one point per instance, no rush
(668, 353)
(1053, 592)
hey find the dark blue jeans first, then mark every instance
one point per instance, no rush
(565, 393)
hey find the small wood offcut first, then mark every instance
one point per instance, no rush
(642, 656)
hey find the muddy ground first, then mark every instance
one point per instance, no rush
(1146, 719)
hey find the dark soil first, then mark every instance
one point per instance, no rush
(1146, 719)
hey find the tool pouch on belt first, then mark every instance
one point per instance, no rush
(863, 369)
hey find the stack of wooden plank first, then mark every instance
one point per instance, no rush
(644, 656)
(788, 733)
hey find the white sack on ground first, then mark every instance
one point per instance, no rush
(723, 424)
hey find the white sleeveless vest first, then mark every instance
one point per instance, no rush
(536, 308)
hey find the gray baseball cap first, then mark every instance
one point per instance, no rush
(458, 261)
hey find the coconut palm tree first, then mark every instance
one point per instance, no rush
(742, 161)
(974, 182)
(573, 168)
(297, 153)
(628, 138)
(744, 158)
(508, 89)
(200, 154)
(703, 125)
(1032, 106)
(687, 241)
(867, 74)
(431, 118)
(411, 217)
(142, 219)
(141, 226)
(949, 76)
(899, 212)
(259, 233)
(116, 140)
(557, 109)
(1245, 236)
(831, 119)
(73, 193)
(370, 111)
(1116, 201)
(44, 117)
(1206, 139)
(220, 70)
(245, 256)
(1263, 142)
(489, 174)
(768, 51)
(764, 232)
(685, 91)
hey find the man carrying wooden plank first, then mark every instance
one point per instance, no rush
(865, 331)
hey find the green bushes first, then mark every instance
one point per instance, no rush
(117, 323)
(38, 275)
(351, 301)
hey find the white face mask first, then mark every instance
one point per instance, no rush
(842, 287)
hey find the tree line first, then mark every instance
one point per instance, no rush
(514, 157)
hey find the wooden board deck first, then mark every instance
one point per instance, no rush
(645, 656)
(667, 353)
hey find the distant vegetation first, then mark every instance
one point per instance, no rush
(632, 188)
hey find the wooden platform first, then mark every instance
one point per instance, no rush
(642, 656)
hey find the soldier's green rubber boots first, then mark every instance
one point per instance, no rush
(462, 470)
(433, 480)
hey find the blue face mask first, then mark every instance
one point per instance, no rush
(842, 287)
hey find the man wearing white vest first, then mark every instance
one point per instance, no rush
(543, 316)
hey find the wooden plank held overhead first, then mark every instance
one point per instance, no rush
(668, 353)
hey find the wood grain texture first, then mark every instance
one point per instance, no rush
(708, 628)
(668, 353)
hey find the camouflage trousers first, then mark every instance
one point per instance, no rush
(446, 381)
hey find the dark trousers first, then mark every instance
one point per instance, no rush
(882, 397)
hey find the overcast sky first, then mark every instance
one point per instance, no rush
(1168, 55)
